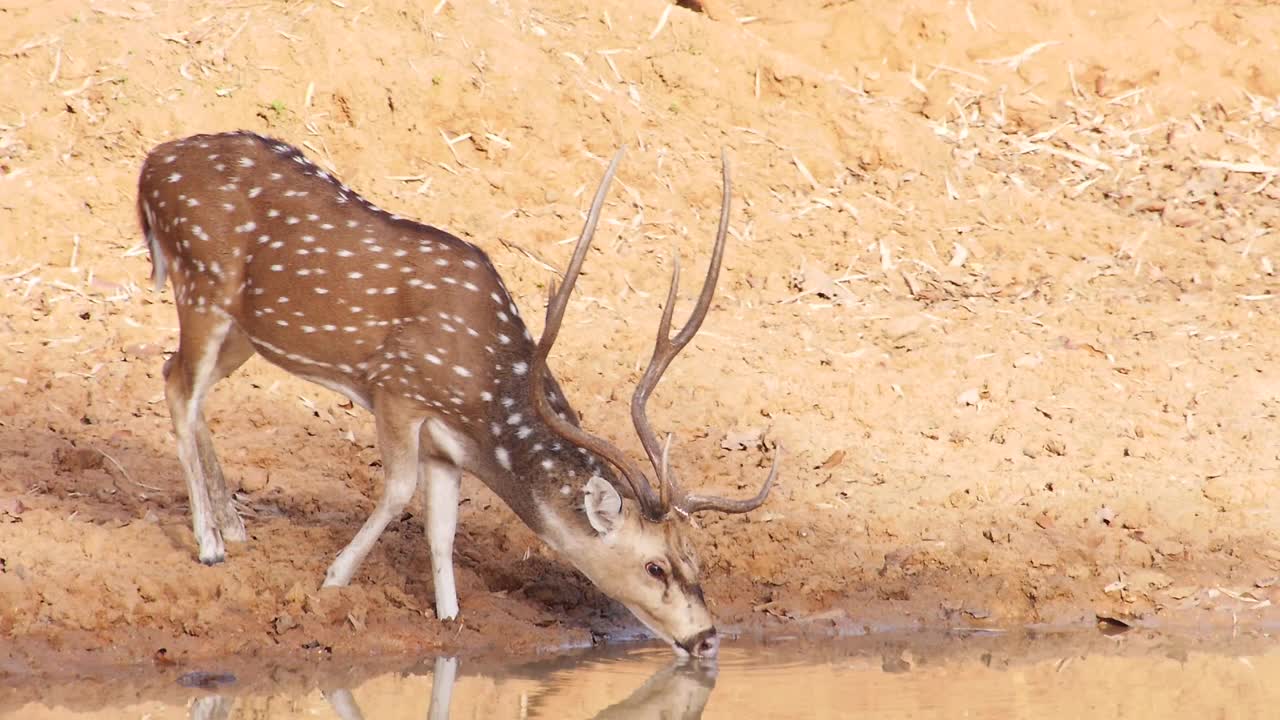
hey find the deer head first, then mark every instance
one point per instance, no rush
(638, 550)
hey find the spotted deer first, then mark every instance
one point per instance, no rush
(269, 254)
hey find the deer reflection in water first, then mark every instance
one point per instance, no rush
(678, 691)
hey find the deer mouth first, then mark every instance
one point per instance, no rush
(703, 646)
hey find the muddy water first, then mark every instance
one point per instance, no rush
(884, 676)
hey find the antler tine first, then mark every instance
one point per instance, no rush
(666, 347)
(664, 351)
(666, 484)
(557, 301)
(690, 504)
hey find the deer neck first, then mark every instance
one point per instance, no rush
(538, 474)
(499, 437)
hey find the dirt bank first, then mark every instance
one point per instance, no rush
(1001, 282)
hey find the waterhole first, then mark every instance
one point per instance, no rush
(1133, 675)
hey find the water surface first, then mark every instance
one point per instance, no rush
(1132, 676)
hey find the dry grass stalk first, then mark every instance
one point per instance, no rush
(530, 254)
(662, 21)
(1253, 168)
(1013, 62)
(804, 172)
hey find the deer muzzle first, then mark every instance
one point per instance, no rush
(705, 644)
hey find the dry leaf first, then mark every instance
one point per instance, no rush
(834, 460)
(1028, 361)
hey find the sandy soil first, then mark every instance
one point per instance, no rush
(1001, 281)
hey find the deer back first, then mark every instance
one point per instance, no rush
(336, 290)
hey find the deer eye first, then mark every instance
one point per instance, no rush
(655, 571)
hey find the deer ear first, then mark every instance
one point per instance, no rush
(603, 505)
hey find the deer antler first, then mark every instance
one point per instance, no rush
(665, 350)
(650, 504)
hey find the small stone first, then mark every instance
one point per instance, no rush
(12, 507)
(961, 500)
(283, 623)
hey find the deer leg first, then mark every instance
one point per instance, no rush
(344, 704)
(442, 681)
(212, 707)
(235, 351)
(189, 373)
(398, 440)
(224, 512)
(443, 479)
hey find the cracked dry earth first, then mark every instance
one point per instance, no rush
(1001, 281)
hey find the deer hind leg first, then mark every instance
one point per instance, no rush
(189, 373)
(441, 482)
(235, 351)
(398, 425)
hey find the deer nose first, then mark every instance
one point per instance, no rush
(705, 645)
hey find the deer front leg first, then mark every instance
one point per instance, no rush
(442, 481)
(442, 681)
(398, 440)
(344, 704)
